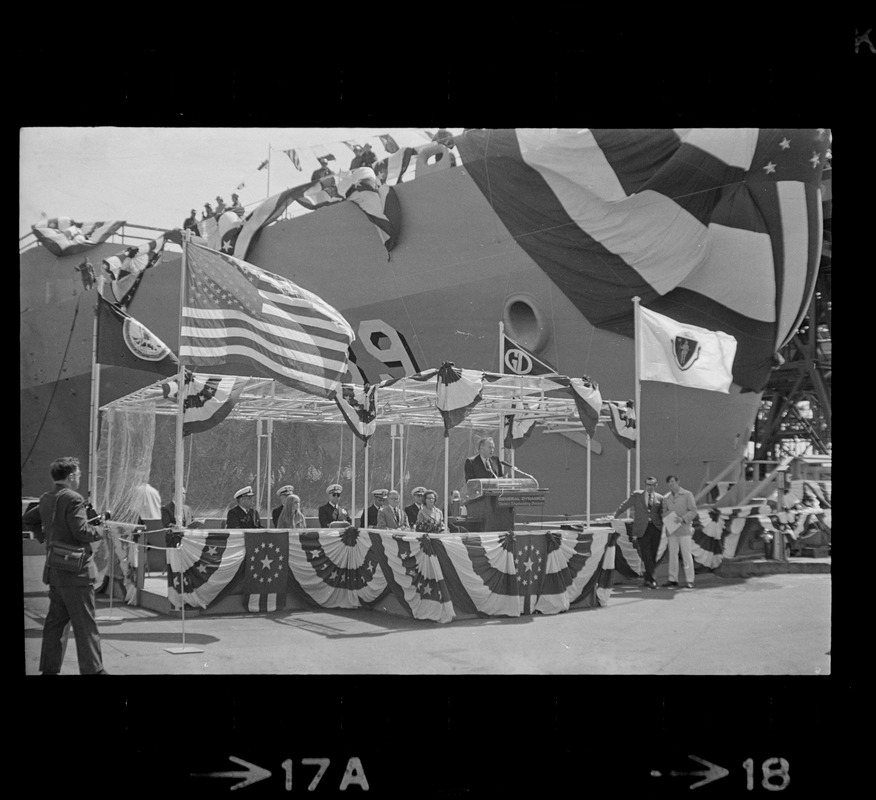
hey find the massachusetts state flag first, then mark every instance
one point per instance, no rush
(458, 392)
(358, 404)
(622, 421)
(266, 567)
(126, 269)
(672, 352)
(62, 236)
(237, 313)
(209, 399)
(124, 342)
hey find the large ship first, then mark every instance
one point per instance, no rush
(550, 233)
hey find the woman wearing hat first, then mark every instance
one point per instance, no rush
(430, 519)
(291, 516)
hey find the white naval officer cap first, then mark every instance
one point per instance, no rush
(246, 491)
(284, 490)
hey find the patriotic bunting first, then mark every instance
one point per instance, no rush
(458, 391)
(209, 399)
(381, 206)
(358, 404)
(519, 427)
(622, 422)
(202, 566)
(127, 268)
(588, 401)
(62, 236)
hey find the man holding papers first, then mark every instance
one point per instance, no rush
(679, 511)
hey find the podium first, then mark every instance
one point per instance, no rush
(492, 501)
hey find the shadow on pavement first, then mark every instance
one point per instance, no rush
(169, 637)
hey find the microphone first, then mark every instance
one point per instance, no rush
(517, 469)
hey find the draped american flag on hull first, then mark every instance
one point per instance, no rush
(237, 313)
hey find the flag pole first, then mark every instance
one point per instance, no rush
(502, 372)
(589, 441)
(180, 452)
(628, 473)
(353, 488)
(446, 461)
(269, 171)
(638, 400)
(95, 401)
(365, 503)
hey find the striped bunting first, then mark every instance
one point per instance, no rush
(458, 392)
(202, 566)
(209, 399)
(337, 569)
(358, 404)
(62, 236)
(622, 421)
(381, 206)
(718, 228)
(126, 269)
(236, 313)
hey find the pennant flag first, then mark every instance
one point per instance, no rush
(459, 391)
(622, 421)
(358, 404)
(381, 206)
(62, 236)
(588, 401)
(719, 228)
(126, 269)
(520, 361)
(267, 570)
(259, 218)
(209, 399)
(684, 354)
(351, 144)
(263, 165)
(389, 144)
(236, 313)
(124, 342)
(293, 157)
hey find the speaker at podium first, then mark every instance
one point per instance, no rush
(492, 502)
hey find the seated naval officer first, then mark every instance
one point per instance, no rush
(390, 516)
(378, 497)
(413, 510)
(282, 493)
(484, 465)
(243, 515)
(332, 511)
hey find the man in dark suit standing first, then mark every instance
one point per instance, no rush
(243, 515)
(484, 464)
(168, 514)
(60, 517)
(413, 510)
(332, 510)
(647, 508)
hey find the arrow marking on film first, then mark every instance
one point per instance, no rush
(712, 773)
(253, 774)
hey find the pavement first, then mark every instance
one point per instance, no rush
(735, 624)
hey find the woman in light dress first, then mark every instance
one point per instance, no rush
(291, 516)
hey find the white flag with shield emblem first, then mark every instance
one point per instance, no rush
(673, 352)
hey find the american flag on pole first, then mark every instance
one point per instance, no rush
(236, 313)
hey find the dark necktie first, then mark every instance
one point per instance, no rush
(650, 501)
(335, 513)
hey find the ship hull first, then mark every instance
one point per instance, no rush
(455, 274)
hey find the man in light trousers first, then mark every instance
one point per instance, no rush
(680, 502)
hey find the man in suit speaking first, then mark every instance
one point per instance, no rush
(484, 464)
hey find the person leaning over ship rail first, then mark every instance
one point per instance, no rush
(679, 511)
(60, 518)
(243, 515)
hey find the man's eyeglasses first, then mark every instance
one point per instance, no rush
(336, 494)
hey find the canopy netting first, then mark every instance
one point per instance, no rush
(308, 455)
